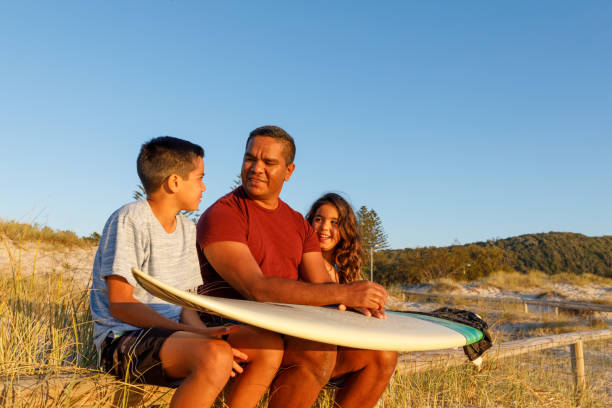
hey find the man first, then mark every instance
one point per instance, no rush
(253, 245)
(145, 340)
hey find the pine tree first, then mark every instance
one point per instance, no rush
(371, 230)
(237, 182)
(373, 236)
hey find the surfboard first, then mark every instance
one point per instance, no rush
(401, 331)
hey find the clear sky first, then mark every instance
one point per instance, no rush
(454, 120)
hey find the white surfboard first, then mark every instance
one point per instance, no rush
(399, 332)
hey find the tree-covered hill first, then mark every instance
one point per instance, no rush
(552, 252)
(557, 252)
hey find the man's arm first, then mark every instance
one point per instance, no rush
(312, 269)
(235, 263)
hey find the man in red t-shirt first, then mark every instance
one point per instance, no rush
(252, 245)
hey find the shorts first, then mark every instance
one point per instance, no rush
(337, 382)
(213, 320)
(134, 357)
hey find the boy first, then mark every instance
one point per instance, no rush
(141, 338)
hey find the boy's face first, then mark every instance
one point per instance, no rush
(190, 193)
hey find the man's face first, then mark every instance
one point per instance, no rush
(264, 170)
(190, 193)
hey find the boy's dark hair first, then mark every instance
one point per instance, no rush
(276, 133)
(162, 156)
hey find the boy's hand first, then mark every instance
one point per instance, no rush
(221, 332)
(239, 356)
(217, 332)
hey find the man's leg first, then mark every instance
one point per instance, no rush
(306, 368)
(205, 364)
(265, 352)
(367, 374)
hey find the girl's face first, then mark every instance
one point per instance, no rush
(325, 224)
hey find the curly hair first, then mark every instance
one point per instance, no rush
(346, 254)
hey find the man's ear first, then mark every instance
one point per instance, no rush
(290, 169)
(173, 183)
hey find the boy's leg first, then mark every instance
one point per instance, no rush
(265, 352)
(367, 374)
(205, 363)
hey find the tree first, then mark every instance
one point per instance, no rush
(371, 230)
(141, 194)
(237, 182)
(372, 235)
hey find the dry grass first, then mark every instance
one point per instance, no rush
(46, 324)
(21, 232)
(46, 330)
(516, 280)
(584, 279)
(537, 279)
(444, 285)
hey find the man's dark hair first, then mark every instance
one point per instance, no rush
(276, 133)
(162, 156)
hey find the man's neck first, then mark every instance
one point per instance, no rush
(165, 213)
(269, 204)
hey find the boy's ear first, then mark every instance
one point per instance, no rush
(173, 183)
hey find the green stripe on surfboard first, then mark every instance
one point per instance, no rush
(471, 334)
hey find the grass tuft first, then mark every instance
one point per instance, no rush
(21, 232)
(444, 285)
(512, 280)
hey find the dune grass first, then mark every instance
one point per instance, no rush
(46, 324)
(46, 330)
(512, 280)
(23, 232)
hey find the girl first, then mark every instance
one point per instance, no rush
(336, 226)
(361, 375)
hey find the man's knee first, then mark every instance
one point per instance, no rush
(315, 358)
(386, 361)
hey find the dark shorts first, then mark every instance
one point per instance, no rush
(134, 357)
(212, 320)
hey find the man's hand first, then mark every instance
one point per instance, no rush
(366, 312)
(365, 295)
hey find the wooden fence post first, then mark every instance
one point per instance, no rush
(525, 307)
(578, 364)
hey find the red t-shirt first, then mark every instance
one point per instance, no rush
(277, 238)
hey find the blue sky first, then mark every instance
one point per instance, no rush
(455, 121)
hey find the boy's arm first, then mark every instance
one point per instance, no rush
(124, 307)
(191, 317)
